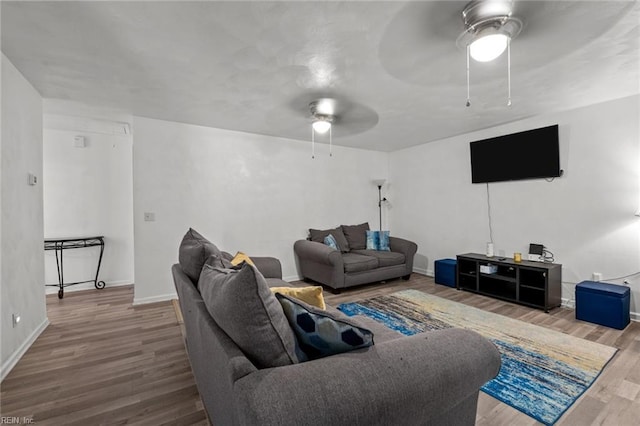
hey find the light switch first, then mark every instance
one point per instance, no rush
(149, 217)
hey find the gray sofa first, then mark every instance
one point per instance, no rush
(352, 264)
(429, 378)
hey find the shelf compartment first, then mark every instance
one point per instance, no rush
(467, 266)
(532, 296)
(468, 282)
(533, 277)
(502, 288)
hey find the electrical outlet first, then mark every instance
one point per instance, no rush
(15, 319)
(32, 179)
(149, 217)
(596, 276)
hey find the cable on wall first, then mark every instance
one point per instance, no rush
(489, 214)
(623, 277)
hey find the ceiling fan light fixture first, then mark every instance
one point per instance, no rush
(488, 47)
(321, 125)
(489, 28)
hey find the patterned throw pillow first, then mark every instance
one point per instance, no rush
(321, 333)
(331, 242)
(378, 240)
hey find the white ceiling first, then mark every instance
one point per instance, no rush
(254, 66)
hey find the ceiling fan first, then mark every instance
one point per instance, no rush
(332, 114)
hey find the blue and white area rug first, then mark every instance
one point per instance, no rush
(543, 371)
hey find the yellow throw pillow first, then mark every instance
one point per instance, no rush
(241, 257)
(311, 295)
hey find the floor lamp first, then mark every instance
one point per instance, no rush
(379, 183)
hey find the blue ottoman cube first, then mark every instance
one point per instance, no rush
(445, 272)
(603, 303)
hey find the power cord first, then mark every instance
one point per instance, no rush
(489, 214)
(547, 256)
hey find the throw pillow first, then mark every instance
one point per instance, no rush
(193, 252)
(320, 333)
(318, 236)
(240, 302)
(378, 240)
(356, 235)
(311, 294)
(331, 242)
(241, 257)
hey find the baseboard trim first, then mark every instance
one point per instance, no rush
(426, 272)
(154, 299)
(87, 286)
(24, 347)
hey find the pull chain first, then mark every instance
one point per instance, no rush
(468, 90)
(330, 142)
(509, 70)
(313, 143)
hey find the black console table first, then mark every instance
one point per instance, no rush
(534, 284)
(61, 244)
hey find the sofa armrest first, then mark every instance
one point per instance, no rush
(412, 380)
(317, 252)
(269, 267)
(406, 247)
(400, 245)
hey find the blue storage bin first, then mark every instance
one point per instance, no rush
(445, 272)
(603, 303)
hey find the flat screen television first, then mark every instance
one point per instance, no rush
(525, 155)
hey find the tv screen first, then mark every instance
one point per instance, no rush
(526, 155)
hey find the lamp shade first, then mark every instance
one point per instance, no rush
(489, 47)
(321, 126)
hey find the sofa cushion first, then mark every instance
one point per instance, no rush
(318, 235)
(385, 258)
(354, 262)
(241, 303)
(193, 253)
(356, 235)
(321, 333)
(311, 295)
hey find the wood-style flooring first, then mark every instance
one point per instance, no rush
(104, 361)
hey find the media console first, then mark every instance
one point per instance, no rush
(532, 284)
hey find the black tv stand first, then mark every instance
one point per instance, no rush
(534, 284)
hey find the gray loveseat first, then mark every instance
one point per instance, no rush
(429, 378)
(351, 263)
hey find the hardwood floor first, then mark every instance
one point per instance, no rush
(104, 361)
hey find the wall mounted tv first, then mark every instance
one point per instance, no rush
(525, 155)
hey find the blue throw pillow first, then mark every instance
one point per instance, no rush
(383, 241)
(378, 240)
(321, 333)
(331, 242)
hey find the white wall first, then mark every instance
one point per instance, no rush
(22, 286)
(88, 191)
(244, 192)
(586, 218)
